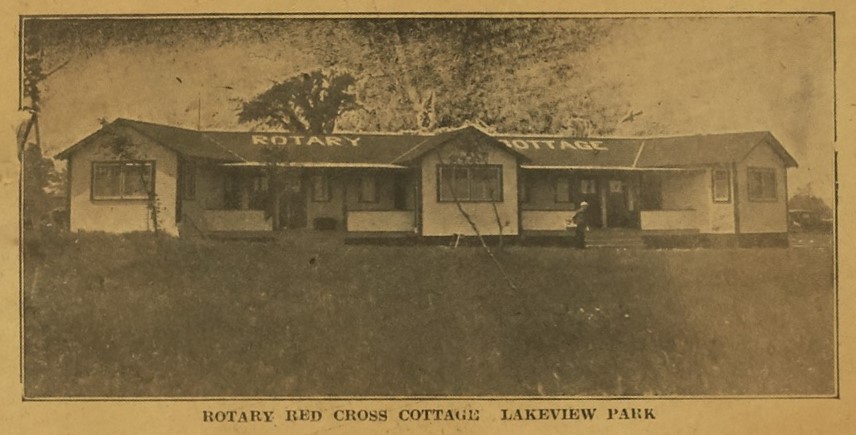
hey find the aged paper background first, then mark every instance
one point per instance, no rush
(749, 416)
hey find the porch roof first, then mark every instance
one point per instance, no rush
(397, 150)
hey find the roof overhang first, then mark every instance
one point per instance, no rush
(610, 168)
(315, 165)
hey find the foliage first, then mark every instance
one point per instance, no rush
(42, 185)
(521, 75)
(307, 103)
(513, 74)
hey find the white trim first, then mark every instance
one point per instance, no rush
(392, 166)
(627, 138)
(611, 168)
(317, 165)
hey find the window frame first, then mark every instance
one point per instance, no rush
(763, 170)
(728, 194)
(571, 193)
(122, 163)
(376, 191)
(328, 191)
(498, 170)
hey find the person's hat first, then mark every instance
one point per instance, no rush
(583, 204)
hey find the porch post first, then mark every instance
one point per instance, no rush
(275, 212)
(604, 186)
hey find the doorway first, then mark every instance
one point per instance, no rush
(292, 206)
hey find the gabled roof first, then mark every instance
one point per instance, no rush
(397, 150)
(469, 135)
(699, 150)
(189, 143)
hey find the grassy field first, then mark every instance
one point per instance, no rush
(138, 315)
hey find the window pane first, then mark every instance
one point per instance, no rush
(368, 189)
(457, 178)
(770, 185)
(106, 179)
(587, 186)
(563, 189)
(756, 183)
(762, 184)
(485, 184)
(137, 180)
(320, 188)
(462, 184)
(446, 174)
(721, 186)
(523, 189)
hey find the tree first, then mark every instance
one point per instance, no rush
(511, 74)
(469, 154)
(307, 103)
(41, 183)
(40, 179)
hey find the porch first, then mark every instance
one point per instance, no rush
(252, 199)
(641, 199)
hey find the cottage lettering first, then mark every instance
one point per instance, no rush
(539, 144)
(280, 139)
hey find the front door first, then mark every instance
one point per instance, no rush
(616, 197)
(293, 204)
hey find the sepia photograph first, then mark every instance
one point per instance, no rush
(428, 206)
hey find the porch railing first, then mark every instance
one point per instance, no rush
(545, 220)
(380, 221)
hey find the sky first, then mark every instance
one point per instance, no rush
(687, 75)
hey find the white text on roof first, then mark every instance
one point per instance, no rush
(552, 144)
(281, 139)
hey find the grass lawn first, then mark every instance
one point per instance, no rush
(138, 315)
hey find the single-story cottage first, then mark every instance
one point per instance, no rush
(728, 186)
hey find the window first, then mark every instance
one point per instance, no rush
(320, 188)
(721, 185)
(588, 187)
(484, 184)
(368, 188)
(259, 187)
(616, 186)
(762, 184)
(122, 180)
(470, 183)
(523, 189)
(188, 187)
(564, 192)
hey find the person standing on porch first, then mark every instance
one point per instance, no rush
(580, 219)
